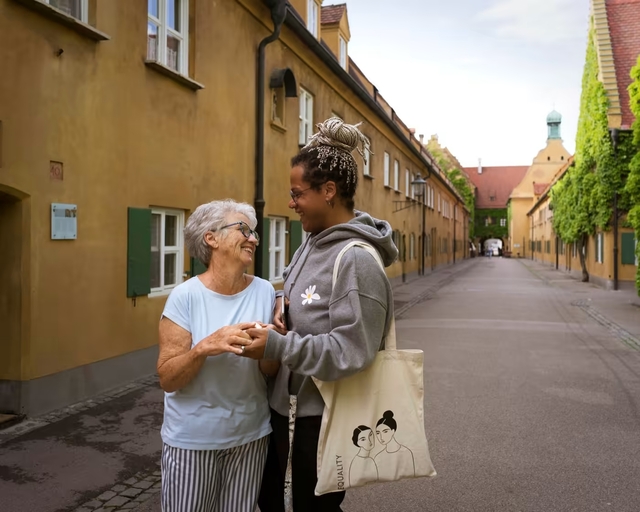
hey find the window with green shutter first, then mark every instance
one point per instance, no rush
(197, 267)
(628, 249)
(139, 252)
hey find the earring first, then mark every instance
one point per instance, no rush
(330, 203)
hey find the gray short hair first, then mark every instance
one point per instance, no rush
(211, 217)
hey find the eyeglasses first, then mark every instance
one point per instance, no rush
(296, 195)
(244, 229)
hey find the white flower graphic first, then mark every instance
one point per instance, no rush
(310, 295)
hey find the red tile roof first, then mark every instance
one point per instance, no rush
(624, 27)
(331, 14)
(495, 184)
(539, 188)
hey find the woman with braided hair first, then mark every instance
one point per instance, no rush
(333, 331)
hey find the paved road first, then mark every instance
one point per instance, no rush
(531, 405)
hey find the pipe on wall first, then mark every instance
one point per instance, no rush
(278, 10)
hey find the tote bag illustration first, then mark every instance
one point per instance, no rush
(373, 422)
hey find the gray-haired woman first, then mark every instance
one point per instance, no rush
(216, 417)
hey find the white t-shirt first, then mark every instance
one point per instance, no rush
(225, 405)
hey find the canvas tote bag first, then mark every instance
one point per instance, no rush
(373, 422)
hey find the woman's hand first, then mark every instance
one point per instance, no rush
(230, 338)
(278, 315)
(255, 350)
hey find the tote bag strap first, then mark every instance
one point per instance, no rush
(390, 340)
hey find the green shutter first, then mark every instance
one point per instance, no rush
(139, 252)
(628, 249)
(264, 244)
(197, 267)
(295, 237)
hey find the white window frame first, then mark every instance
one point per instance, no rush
(387, 165)
(439, 203)
(182, 34)
(312, 17)
(396, 175)
(306, 117)
(433, 198)
(412, 193)
(503, 223)
(407, 182)
(277, 248)
(366, 169)
(343, 52)
(177, 249)
(84, 10)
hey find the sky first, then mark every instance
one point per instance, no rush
(481, 74)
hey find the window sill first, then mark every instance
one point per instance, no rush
(279, 127)
(55, 14)
(368, 176)
(276, 281)
(175, 76)
(388, 187)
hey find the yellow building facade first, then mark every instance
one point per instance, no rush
(545, 166)
(598, 254)
(119, 118)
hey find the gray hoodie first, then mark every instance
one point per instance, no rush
(333, 333)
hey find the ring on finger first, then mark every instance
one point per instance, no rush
(242, 349)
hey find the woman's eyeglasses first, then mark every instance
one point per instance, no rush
(244, 229)
(296, 195)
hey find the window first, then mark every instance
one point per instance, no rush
(77, 9)
(367, 162)
(167, 31)
(167, 252)
(628, 252)
(412, 247)
(600, 248)
(277, 231)
(312, 17)
(386, 169)
(503, 223)
(343, 53)
(412, 193)
(439, 204)
(396, 175)
(574, 250)
(407, 182)
(306, 117)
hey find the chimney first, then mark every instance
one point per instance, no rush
(479, 165)
(421, 138)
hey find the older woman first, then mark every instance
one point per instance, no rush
(216, 418)
(335, 331)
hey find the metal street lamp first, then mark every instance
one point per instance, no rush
(419, 186)
(419, 190)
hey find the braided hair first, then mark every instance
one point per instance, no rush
(328, 157)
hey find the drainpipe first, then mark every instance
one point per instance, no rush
(278, 10)
(455, 207)
(615, 240)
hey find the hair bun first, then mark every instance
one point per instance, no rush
(388, 415)
(334, 132)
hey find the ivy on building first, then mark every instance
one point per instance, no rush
(488, 223)
(632, 187)
(457, 178)
(582, 200)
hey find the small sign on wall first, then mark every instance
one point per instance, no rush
(64, 221)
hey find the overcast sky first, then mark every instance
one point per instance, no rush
(481, 74)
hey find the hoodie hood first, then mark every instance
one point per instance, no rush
(374, 231)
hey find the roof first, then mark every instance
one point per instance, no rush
(624, 29)
(495, 184)
(554, 117)
(539, 188)
(331, 14)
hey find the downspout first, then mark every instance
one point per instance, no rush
(455, 207)
(278, 10)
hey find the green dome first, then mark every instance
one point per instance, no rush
(554, 117)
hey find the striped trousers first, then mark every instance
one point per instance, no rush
(213, 480)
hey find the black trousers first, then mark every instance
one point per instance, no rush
(303, 468)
